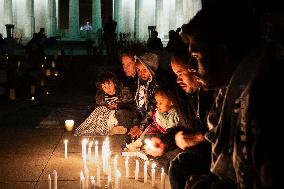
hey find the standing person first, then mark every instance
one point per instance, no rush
(245, 141)
(109, 35)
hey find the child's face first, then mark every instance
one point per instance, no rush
(163, 103)
(142, 72)
(108, 87)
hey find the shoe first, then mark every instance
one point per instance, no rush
(118, 130)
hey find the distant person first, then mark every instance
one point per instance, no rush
(86, 27)
(109, 35)
(154, 43)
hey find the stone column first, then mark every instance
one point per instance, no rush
(30, 18)
(96, 15)
(74, 19)
(117, 14)
(179, 13)
(8, 12)
(52, 20)
(158, 15)
(137, 18)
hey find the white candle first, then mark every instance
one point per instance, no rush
(116, 179)
(82, 180)
(115, 163)
(163, 184)
(153, 172)
(87, 173)
(55, 179)
(99, 175)
(126, 167)
(84, 143)
(93, 182)
(146, 171)
(65, 148)
(137, 170)
(109, 182)
(90, 151)
(96, 153)
(49, 181)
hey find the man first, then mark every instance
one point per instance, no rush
(223, 39)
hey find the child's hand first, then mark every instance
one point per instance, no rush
(135, 132)
(180, 140)
(157, 149)
(113, 106)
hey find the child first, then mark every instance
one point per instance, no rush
(147, 65)
(110, 99)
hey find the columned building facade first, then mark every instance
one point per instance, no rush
(132, 16)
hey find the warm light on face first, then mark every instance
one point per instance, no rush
(128, 65)
(109, 87)
(142, 72)
(163, 103)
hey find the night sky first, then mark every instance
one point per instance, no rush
(85, 11)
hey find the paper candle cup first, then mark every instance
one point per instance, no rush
(69, 124)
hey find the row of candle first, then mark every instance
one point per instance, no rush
(107, 169)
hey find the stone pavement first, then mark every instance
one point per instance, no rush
(29, 152)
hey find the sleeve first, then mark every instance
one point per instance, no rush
(100, 98)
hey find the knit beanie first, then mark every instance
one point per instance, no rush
(150, 61)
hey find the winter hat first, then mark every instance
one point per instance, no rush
(150, 61)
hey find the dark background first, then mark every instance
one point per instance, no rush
(85, 12)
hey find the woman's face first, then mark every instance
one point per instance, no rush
(108, 87)
(128, 65)
(163, 103)
(143, 73)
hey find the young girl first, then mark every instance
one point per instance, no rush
(111, 98)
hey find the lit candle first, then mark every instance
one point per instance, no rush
(109, 182)
(65, 148)
(84, 143)
(49, 181)
(117, 183)
(69, 124)
(93, 182)
(98, 175)
(82, 180)
(87, 173)
(126, 167)
(90, 151)
(146, 171)
(115, 163)
(163, 184)
(153, 172)
(33, 98)
(96, 153)
(55, 179)
(136, 170)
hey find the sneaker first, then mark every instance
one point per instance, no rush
(118, 130)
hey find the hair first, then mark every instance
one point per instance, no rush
(166, 93)
(230, 24)
(107, 76)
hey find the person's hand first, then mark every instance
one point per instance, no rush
(184, 141)
(156, 148)
(113, 106)
(135, 132)
(180, 140)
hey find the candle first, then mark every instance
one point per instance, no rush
(163, 184)
(93, 182)
(65, 148)
(117, 183)
(109, 182)
(126, 167)
(98, 175)
(49, 181)
(115, 163)
(96, 153)
(136, 170)
(145, 171)
(55, 179)
(149, 144)
(153, 172)
(69, 124)
(90, 151)
(82, 180)
(84, 143)
(87, 173)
